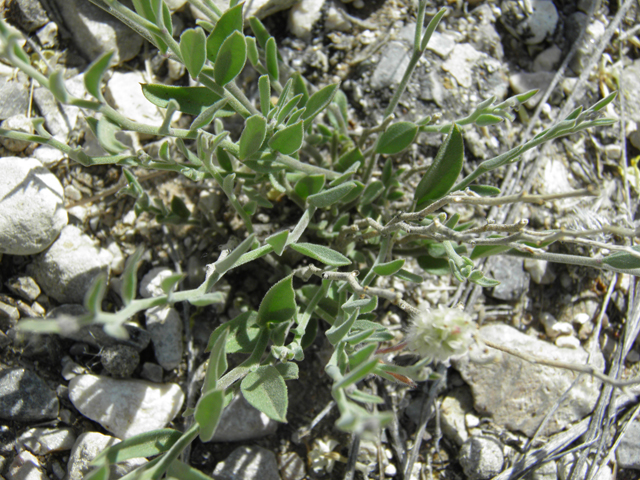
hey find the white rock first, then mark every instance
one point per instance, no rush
(88, 446)
(118, 262)
(441, 44)
(125, 93)
(540, 271)
(19, 123)
(561, 328)
(461, 62)
(303, 16)
(150, 285)
(25, 467)
(567, 341)
(453, 410)
(125, 407)
(48, 156)
(31, 206)
(547, 60)
(335, 20)
(67, 270)
(41, 441)
(165, 327)
(531, 27)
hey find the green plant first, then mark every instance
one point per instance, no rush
(363, 226)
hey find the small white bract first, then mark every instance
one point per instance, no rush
(441, 333)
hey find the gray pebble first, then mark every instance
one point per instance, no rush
(481, 458)
(24, 397)
(248, 463)
(24, 286)
(120, 360)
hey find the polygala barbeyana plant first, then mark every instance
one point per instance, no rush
(361, 226)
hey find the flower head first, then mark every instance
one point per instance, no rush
(440, 333)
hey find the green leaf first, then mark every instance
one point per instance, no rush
(193, 50)
(129, 277)
(353, 305)
(264, 86)
(478, 278)
(322, 254)
(309, 185)
(207, 115)
(435, 266)
(480, 251)
(389, 268)
(95, 294)
(278, 304)
(191, 100)
(523, 97)
(487, 119)
(278, 241)
(288, 140)
(168, 284)
(265, 389)
(353, 194)
(243, 333)
(94, 73)
(318, 102)
(357, 374)
(330, 196)
(289, 370)
(231, 59)
(253, 135)
(230, 260)
(623, 260)
(397, 137)
(603, 103)
(407, 276)
(142, 445)
(382, 334)
(387, 172)
(363, 397)
(208, 412)
(57, 86)
(230, 22)
(484, 190)
(101, 473)
(259, 30)
(252, 51)
(106, 134)
(271, 51)
(300, 87)
(287, 108)
(348, 159)
(207, 299)
(372, 192)
(443, 172)
(217, 362)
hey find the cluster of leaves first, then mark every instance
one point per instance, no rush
(323, 168)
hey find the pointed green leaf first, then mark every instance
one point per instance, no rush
(287, 108)
(278, 241)
(95, 294)
(389, 268)
(278, 304)
(288, 140)
(142, 445)
(484, 190)
(230, 22)
(443, 172)
(348, 159)
(207, 115)
(309, 185)
(397, 137)
(193, 50)
(523, 97)
(330, 196)
(387, 172)
(230, 260)
(479, 279)
(265, 389)
(253, 135)
(371, 192)
(271, 51)
(300, 87)
(322, 254)
(106, 134)
(318, 102)
(243, 333)
(129, 277)
(289, 370)
(252, 51)
(435, 266)
(94, 73)
(264, 86)
(57, 86)
(259, 30)
(487, 119)
(407, 276)
(354, 193)
(191, 100)
(208, 412)
(623, 260)
(357, 374)
(362, 397)
(101, 473)
(231, 59)
(481, 251)
(217, 362)
(168, 284)
(207, 299)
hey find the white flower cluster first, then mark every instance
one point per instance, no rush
(441, 333)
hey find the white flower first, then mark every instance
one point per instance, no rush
(441, 333)
(322, 456)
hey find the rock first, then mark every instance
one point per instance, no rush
(540, 271)
(14, 94)
(518, 394)
(165, 327)
(573, 26)
(48, 35)
(454, 409)
(547, 60)
(41, 441)
(255, 8)
(120, 360)
(391, 67)
(334, 20)
(591, 39)
(481, 458)
(48, 156)
(17, 123)
(628, 452)
(303, 16)
(546, 471)
(151, 283)
(152, 372)
(530, 27)
(9, 315)
(31, 206)
(241, 421)
(31, 344)
(291, 466)
(630, 84)
(523, 82)
(24, 286)
(124, 93)
(95, 32)
(441, 44)
(25, 467)
(88, 446)
(125, 407)
(68, 269)
(27, 14)
(24, 397)
(461, 63)
(514, 281)
(248, 463)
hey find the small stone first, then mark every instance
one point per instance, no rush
(125, 407)
(152, 372)
(71, 369)
(390, 69)
(41, 441)
(18, 123)
(120, 360)
(567, 341)
(14, 95)
(88, 446)
(257, 8)
(540, 270)
(150, 285)
(547, 60)
(546, 471)
(25, 467)
(303, 16)
(175, 69)
(630, 82)
(523, 82)
(561, 328)
(514, 281)
(241, 421)
(454, 409)
(441, 44)
(60, 119)
(9, 315)
(69, 267)
(335, 20)
(248, 463)
(24, 397)
(291, 466)
(461, 62)
(628, 452)
(481, 458)
(27, 14)
(531, 27)
(118, 261)
(48, 156)
(24, 286)
(48, 35)
(31, 206)
(165, 327)
(593, 33)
